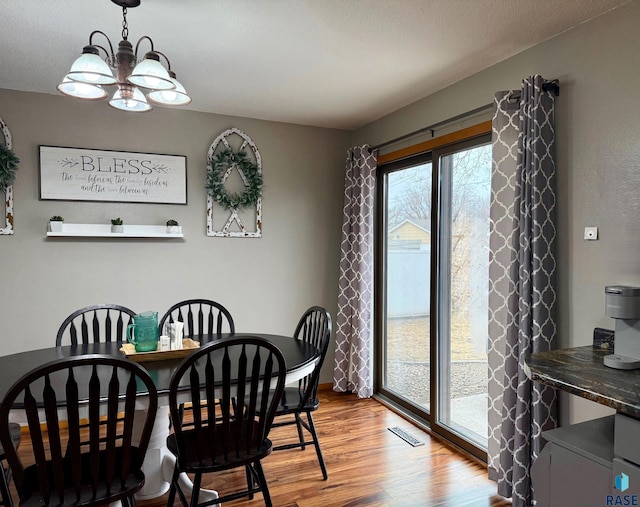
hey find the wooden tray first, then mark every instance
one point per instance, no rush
(188, 346)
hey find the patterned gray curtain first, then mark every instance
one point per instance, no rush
(522, 295)
(352, 371)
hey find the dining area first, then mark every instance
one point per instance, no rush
(135, 407)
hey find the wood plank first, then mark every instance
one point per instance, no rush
(368, 465)
(437, 142)
(188, 346)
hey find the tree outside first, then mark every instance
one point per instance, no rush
(407, 335)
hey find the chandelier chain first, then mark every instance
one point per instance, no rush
(125, 25)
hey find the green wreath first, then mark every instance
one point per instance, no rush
(8, 167)
(218, 166)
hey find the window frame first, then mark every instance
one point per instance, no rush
(424, 152)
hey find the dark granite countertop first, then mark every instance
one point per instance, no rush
(580, 371)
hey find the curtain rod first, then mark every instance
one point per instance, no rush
(433, 127)
(552, 85)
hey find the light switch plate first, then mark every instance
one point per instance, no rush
(590, 233)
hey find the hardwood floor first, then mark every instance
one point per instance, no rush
(368, 465)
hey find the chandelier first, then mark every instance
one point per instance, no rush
(90, 73)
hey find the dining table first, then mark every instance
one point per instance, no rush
(300, 359)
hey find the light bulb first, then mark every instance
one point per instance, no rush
(174, 97)
(81, 90)
(152, 82)
(129, 98)
(169, 95)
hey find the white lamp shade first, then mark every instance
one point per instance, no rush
(82, 90)
(91, 69)
(129, 99)
(150, 73)
(175, 97)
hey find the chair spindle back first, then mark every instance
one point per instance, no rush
(95, 324)
(246, 375)
(201, 317)
(69, 467)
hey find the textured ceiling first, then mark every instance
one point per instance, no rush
(329, 63)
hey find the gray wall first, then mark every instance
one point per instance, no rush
(265, 283)
(598, 158)
(268, 282)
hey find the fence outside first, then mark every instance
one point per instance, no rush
(408, 279)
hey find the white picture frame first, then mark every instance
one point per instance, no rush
(82, 174)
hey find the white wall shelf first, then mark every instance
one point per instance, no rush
(104, 231)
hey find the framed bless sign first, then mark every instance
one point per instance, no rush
(78, 174)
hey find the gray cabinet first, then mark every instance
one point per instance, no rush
(580, 463)
(575, 466)
(563, 478)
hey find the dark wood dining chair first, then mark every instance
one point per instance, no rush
(201, 317)
(314, 327)
(68, 469)
(94, 324)
(246, 374)
(5, 471)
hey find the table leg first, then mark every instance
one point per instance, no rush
(155, 485)
(159, 463)
(169, 463)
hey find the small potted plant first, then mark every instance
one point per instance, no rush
(173, 227)
(116, 225)
(55, 223)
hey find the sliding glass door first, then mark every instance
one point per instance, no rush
(463, 291)
(407, 329)
(432, 273)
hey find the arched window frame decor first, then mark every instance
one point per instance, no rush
(222, 142)
(8, 203)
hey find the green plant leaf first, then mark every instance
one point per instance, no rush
(218, 165)
(8, 167)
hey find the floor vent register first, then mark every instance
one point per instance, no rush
(406, 436)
